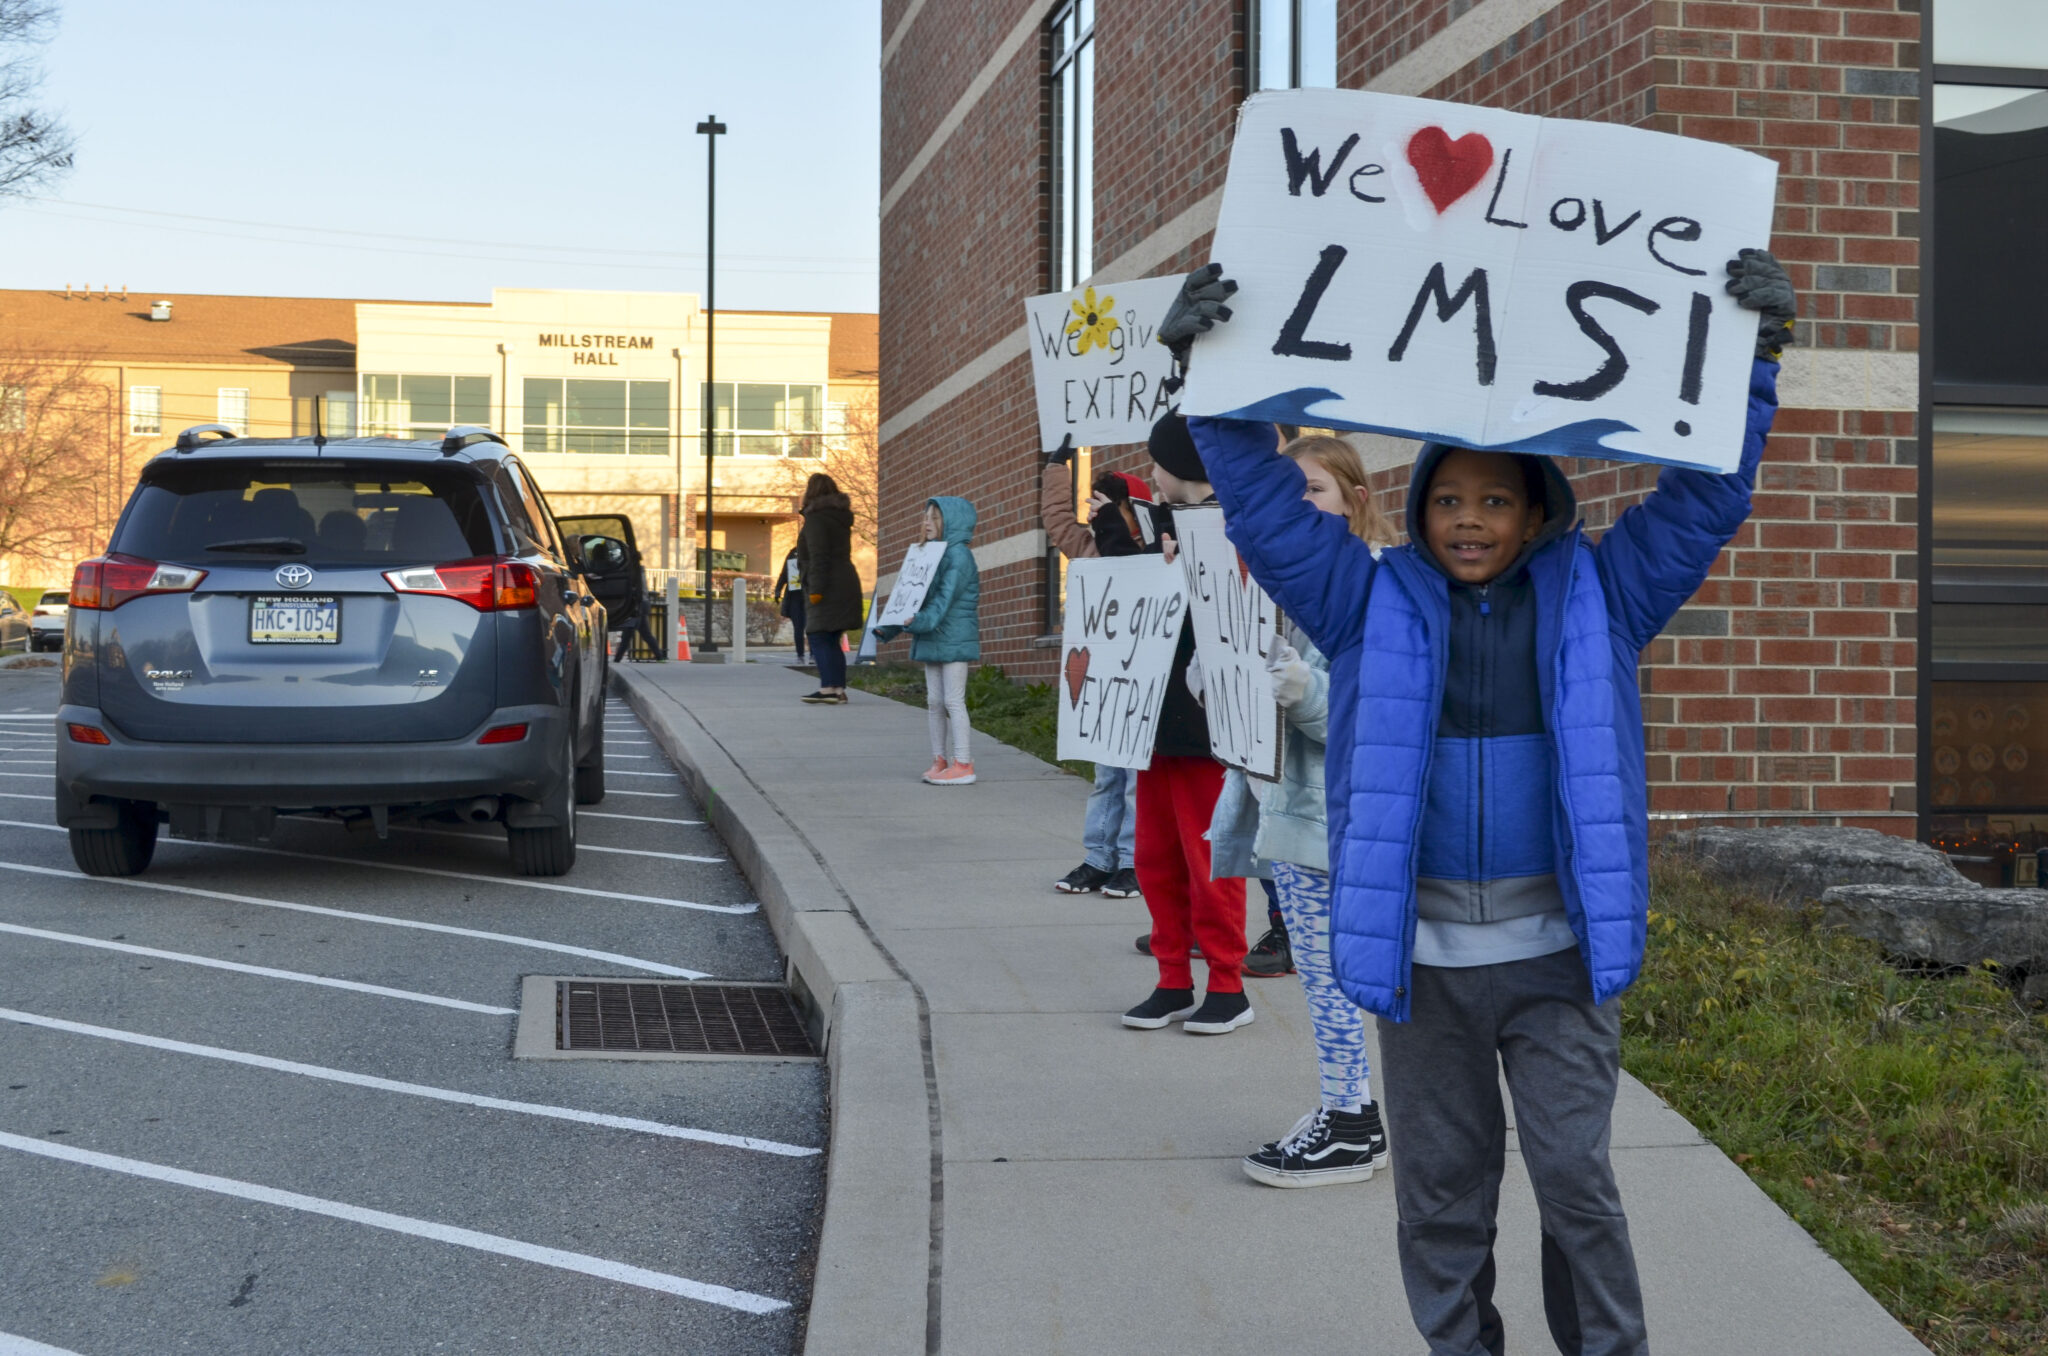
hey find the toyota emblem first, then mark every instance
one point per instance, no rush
(294, 576)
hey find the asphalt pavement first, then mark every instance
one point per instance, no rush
(260, 1101)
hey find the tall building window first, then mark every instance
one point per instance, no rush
(1294, 44)
(1072, 92)
(146, 409)
(766, 419)
(231, 408)
(604, 418)
(408, 406)
(338, 414)
(1985, 759)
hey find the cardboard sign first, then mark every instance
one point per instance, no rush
(1483, 278)
(1096, 364)
(913, 581)
(1236, 628)
(1124, 615)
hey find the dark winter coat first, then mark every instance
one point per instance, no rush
(824, 553)
(1386, 626)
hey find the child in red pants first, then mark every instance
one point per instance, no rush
(1177, 797)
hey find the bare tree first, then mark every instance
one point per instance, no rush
(60, 457)
(35, 147)
(853, 458)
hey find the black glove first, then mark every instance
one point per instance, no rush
(1759, 282)
(1197, 307)
(1063, 454)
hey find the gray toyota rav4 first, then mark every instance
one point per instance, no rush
(362, 628)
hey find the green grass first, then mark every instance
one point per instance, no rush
(1023, 715)
(28, 596)
(1901, 1119)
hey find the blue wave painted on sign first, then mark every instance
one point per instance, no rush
(1587, 438)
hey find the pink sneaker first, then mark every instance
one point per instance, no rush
(959, 774)
(938, 766)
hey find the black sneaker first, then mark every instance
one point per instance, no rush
(1271, 957)
(1122, 885)
(816, 698)
(1083, 880)
(1165, 1005)
(1145, 947)
(1220, 1013)
(1324, 1148)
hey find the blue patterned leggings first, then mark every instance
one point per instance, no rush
(1339, 1025)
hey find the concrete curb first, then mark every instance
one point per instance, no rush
(871, 1290)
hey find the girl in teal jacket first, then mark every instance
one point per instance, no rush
(946, 637)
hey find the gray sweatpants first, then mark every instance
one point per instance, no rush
(1440, 1076)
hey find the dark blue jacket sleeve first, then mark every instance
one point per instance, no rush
(1305, 558)
(1658, 553)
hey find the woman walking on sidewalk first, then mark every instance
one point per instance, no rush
(824, 554)
(947, 637)
(1282, 831)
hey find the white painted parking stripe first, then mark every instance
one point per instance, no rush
(263, 970)
(10, 1345)
(533, 943)
(622, 1272)
(489, 837)
(24, 795)
(595, 814)
(658, 795)
(29, 776)
(624, 773)
(30, 762)
(400, 866)
(562, 1113)
(45, 717)
(647, 852)
(636, 757)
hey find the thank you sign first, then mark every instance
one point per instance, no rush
(913, 581)
(1236, 629)
(1486, 278)
(1123, 621)
(1096, 369)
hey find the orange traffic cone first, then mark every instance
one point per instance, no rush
(682, 639)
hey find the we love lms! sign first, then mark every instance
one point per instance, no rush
(1484, 278)
(1096, 367)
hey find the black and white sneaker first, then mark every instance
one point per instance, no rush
(1270, 957)
(1121, 885)
(1083, 880)
(1324, 1148)
(1165, 1005)
(1220, 1013)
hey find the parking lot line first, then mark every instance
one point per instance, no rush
(11, 1345)
(563, 1113)
(263, 970)
(580, 847)
(623, 1272)
(532, 943)
(625, 772)
(401, 866)
(24, 795)
(604, 814)
(658, 795)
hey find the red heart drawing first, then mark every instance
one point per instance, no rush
(1448, 169)
(1244, 571)
(1077, 673)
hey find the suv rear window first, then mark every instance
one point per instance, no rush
(332, 512)
(53, 599)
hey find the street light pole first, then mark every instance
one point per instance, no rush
(711, 128)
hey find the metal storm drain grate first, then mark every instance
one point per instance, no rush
(692, 1019)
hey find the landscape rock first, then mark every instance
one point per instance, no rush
(1798, 864)
(1961, 927)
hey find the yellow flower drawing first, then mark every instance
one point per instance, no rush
(1094, 321)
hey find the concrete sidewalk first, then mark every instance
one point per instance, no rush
(1013, 1171)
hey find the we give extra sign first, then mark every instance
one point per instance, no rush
(1484, 278)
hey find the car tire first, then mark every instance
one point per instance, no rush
(590, 772)
(549, 851)
(123, 850)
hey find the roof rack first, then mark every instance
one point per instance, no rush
(461, 436)
(188, 439)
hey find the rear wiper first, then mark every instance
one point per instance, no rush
(284, 546)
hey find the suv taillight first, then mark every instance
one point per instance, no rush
(105, 582)
(488, 584)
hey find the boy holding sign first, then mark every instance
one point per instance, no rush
(1488, 820)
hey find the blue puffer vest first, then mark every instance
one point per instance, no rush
(1384, 627)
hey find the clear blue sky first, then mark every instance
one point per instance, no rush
(526, 144)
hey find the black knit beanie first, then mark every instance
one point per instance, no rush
(1173, 447)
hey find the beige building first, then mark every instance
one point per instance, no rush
(603, 394)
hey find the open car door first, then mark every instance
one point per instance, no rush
(611, 560)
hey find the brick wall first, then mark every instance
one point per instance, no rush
(1788, 683)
